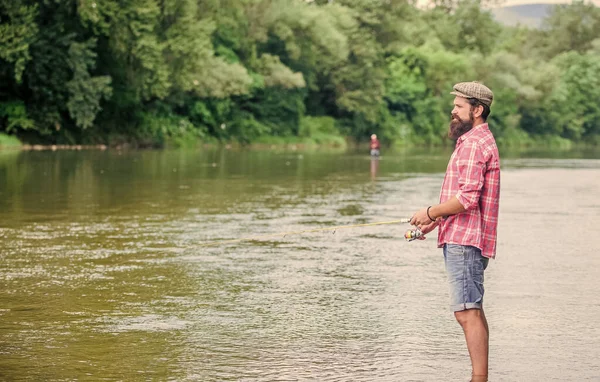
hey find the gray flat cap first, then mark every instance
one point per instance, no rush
(474, 90)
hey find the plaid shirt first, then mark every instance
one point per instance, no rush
(473, 176)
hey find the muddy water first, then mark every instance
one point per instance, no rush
(104, 277)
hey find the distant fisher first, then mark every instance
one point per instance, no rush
(374, 146)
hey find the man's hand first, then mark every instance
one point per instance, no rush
(427, 228)
(420, 219)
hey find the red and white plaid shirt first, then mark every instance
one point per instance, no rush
(473, 176)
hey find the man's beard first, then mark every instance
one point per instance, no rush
(458, 127)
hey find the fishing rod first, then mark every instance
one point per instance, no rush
(409, 235)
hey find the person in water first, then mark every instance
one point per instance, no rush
(374, 146)
(467, 215)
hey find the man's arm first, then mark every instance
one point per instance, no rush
(471, 165)
(450, 207)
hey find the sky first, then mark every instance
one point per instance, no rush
(506, 3)
(520, 2)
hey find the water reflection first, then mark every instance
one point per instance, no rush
(374, 167)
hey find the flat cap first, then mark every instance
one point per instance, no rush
(474, 90)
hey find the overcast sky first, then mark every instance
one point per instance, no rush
(520, 2)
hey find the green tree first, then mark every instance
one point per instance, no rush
(17, 31)
(85, 91)
(571, 27)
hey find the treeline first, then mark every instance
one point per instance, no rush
(156, 72)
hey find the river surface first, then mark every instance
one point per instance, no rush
(105, 275)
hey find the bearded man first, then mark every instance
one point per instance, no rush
(467, 215)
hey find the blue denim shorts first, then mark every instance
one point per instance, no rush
(465, 267)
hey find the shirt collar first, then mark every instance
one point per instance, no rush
(472, 132)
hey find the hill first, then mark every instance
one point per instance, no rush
(530, 15)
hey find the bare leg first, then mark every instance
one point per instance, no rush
(477, 334)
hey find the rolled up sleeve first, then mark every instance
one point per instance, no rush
(471, 171)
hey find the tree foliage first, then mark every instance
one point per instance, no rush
(157, 71)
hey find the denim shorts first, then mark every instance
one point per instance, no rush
(465, 267)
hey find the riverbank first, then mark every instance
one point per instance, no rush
(228, 146)
(320, 142)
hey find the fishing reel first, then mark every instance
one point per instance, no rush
(413, 234)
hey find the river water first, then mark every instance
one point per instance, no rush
(105, 276)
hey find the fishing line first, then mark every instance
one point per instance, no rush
(253, 238)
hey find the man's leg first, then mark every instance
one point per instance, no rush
(465, 267)
(477, 334)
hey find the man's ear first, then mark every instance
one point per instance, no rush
(477, 111)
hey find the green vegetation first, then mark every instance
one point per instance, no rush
(9, 141)
(179, 72)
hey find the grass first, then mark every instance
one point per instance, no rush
(314, 141)
(9, 141)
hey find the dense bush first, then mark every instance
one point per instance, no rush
(175, 72)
